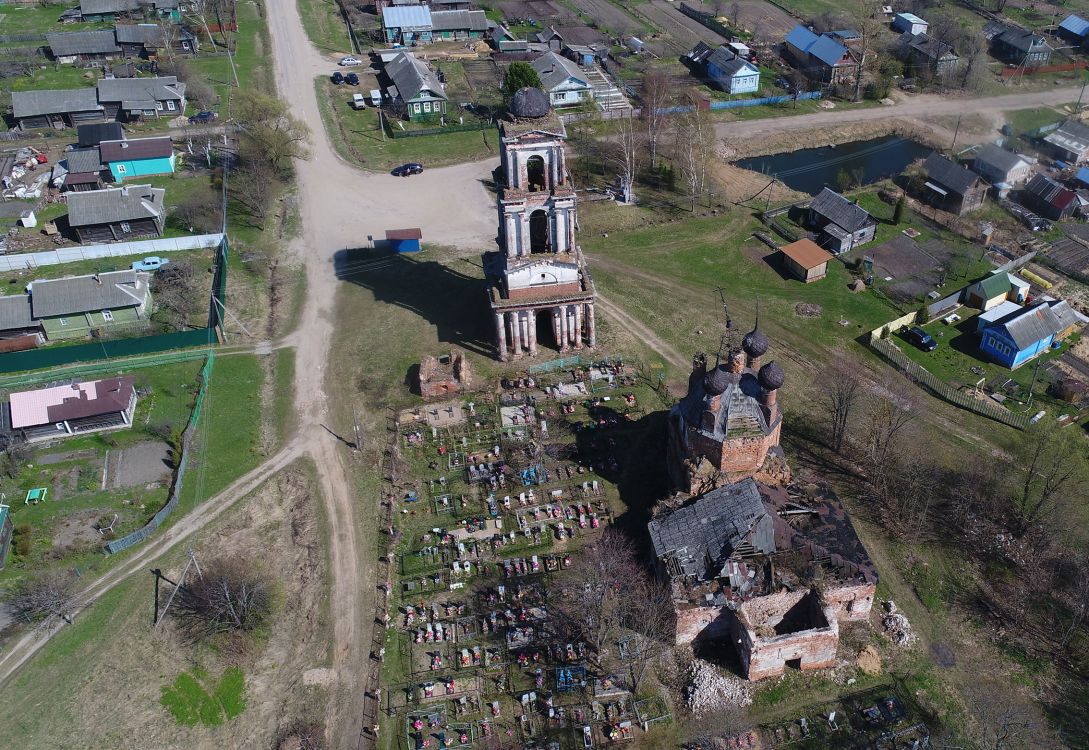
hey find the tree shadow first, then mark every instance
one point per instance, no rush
(455, 303)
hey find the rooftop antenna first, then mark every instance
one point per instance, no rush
(729, 340)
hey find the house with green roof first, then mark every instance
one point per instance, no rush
(994, 290)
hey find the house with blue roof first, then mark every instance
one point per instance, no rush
(1074, 29)
(909, 23)
(822, 57)
(1027, 332)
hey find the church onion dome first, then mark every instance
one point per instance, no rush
(755, 343)
(529, 102)
(772, 376)
(716, 381)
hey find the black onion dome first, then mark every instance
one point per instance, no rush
(529, 102)
(755, 343)
(716, 381)
(772, 376)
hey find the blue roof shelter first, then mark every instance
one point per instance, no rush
(1074, 27)
(404, 240)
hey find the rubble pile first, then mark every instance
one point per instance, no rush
(709, 690)
(897, 626)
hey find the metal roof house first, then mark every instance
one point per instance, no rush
(997, 165)
(923, 50)
(74, 409)
(696, 541)
(138, 157)
(909, 23)
(406, 24)
(72, 307)
(1074, 29)
(55, 108)
(94, 134)
(458, 25)
(1021, 335)
(16, 320)
(415, 87)
(147, 39)
(1069, 142)
(84, 169)
(133, 99)
(732, 73)
(117, 214)
(564, 82)
(951, 186)
(82, 46)
(1049, 198)
(843, 223)
(1017, 46)
(821, 57)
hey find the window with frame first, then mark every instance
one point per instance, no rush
(63, 321)
(427, 106)
(170, 105)
(121, 169)
(159, 106)
(416, 108)
(126, 227)
(107, 315)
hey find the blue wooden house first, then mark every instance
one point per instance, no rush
(139, 157)
(732, 73)
(1021, 335)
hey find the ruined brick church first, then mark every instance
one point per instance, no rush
(750, 558)
(539, 287)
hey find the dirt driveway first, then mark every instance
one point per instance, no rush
(765, 20)
(139, 465)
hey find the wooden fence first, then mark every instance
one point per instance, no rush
(1060, 68)
(931, 382)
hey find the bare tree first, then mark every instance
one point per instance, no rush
(253, 184)
(839, 392)
(694, 148)
(890, 415)
(655, 97)
(45, 598)
(593, 594)
(629, 147)
(174, 289)
(1003, 725)
(975, 63)
(735, 15)
(651, 624)
(1051, 474)
(232, 596)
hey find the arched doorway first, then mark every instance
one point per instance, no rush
(538, 232)
(535, 173)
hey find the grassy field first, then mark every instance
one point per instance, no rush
(229, 432)
(249, 57)
(1030, 120)
(39, 19)
(358, 139)
(105, 675)
(324, 25)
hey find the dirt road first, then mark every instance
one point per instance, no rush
(924, 107)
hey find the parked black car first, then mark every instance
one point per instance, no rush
(201, 118)
(920, 338)
(351, 79)
(337, 78)
(407, 169)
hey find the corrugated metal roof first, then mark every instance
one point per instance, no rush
(95, 133)
(79, 294)
(459, 20)
(555, 70)
(1076, 25)
(910, 18)
(82, 43)
(53, 102)
(828, 50)
(73, 401)
(1030, 326)
(949, 174)
(84, 159)
(840, 211)
(15, 312)
(999, 158)
(101, 7)
(801, 37)
(137, 148)
(406, 17)
(159, 89)
(1050, 191)
(412, 76)
(113, 205)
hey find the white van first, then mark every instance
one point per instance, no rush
(376, 98)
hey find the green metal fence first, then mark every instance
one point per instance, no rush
(37, 359)
(179, 476)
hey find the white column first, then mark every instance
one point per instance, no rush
(501, 334)
(531, 331)
(514, 178)
(510, 241)
(524, 237)
(557, 331)
(554, 164)
(561, 232)
(515, 335)
(563, 327)
(591, 334)
(578, 327)
(572, 334)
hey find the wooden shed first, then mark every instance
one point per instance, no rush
(806, 260)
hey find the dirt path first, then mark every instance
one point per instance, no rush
(640, 331)
(925, 107)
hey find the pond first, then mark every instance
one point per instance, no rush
(811, 169)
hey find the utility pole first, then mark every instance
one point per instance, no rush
(358, 431)
(1032, 387)
(955, 133)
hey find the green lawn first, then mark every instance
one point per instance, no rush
(229, 430)
(358, 139)
(1029, 120)
(39, 19)
(249, 56)
(324, 25)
